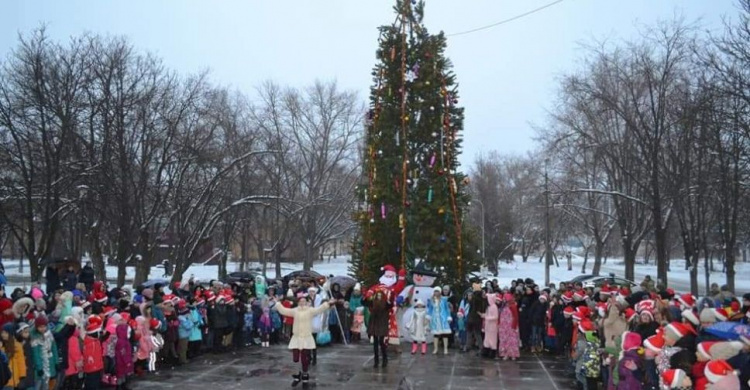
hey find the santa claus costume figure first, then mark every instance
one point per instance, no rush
(391, 284)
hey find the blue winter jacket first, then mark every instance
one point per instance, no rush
(195, 333)
(186, 326)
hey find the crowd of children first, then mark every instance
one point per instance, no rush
(615, 338)
(99, 337)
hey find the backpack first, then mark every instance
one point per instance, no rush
(592, 361)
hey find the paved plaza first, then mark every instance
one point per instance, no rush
(350, 367)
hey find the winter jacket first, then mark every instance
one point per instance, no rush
(70, 281)
(478, 305)
(44, 354)
(17, 365)
(195, 334)
(379, 317)
(52, 277)
(92, 355)
(614, 326)
(86, 276)
(537, 313)
(630, 380)
(302, 331)
(75, 354)
(186, 325)
(61, 339)
(218, 317)
(6, 304)
(123, 353)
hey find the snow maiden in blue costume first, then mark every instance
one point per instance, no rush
(440, 319)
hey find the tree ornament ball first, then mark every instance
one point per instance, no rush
(443, 239)
(407, 204)
(455, 101)
(432, 108)
(372, 220)
(441, 211)
(441, 172)
(427, 83)
(380, 152)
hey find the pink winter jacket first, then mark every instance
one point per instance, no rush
(75, 354)
(145, 345)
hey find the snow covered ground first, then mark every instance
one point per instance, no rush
(679, 278)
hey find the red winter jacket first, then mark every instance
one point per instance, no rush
(92, 355)
(699, 376)
(74, 353)
(288, 305)
(6, 304)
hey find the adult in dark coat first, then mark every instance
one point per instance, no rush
(537, 316)
(524, 315)
(86, 276)
(477, 306)
(377, 327)
(52, 276)
(70, 280)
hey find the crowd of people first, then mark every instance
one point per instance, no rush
(79, 334)
(615, 338)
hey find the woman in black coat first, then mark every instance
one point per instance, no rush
(377, 327)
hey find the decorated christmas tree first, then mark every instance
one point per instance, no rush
(412, 195)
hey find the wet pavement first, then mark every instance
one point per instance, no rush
(350, 367)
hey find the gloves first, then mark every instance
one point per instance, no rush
(369, 294)
(399, 300)
(450, 319)
(402, 274)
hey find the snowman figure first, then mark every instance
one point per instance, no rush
(423, 276)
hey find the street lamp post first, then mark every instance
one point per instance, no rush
(482, 216)
(547, 245)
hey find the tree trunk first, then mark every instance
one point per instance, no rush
(243, 250)
(570, 261)
(307, 265)
(729, 259)
(121, 264)
(277, 260)
(694, 272)
(223, 261)
(662, 266)
(585, 260)
(598, 249)
(707, 269)
(629, 263)
(97, 257)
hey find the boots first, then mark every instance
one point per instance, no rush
(437, 345)
(305, 379)
(314, 360)
(445, 346)
(424, 347)
(385, 359)
(413, 347)
(376, 349)
(297, 378)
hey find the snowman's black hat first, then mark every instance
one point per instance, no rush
(424, 269)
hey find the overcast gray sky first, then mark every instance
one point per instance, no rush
(507, 73)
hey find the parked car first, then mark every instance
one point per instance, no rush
(242, 278)
(598, 281)
(580, 278)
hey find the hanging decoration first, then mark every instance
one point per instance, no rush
(382, 210)
(429, 195)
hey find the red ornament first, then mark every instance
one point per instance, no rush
(407, 204)
(441, 172)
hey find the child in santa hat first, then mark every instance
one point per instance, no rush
(721, 375)
(630, 368)
(93, 360)
(652, 347)
(676, 379)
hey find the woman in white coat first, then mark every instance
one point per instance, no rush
(302, 342)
